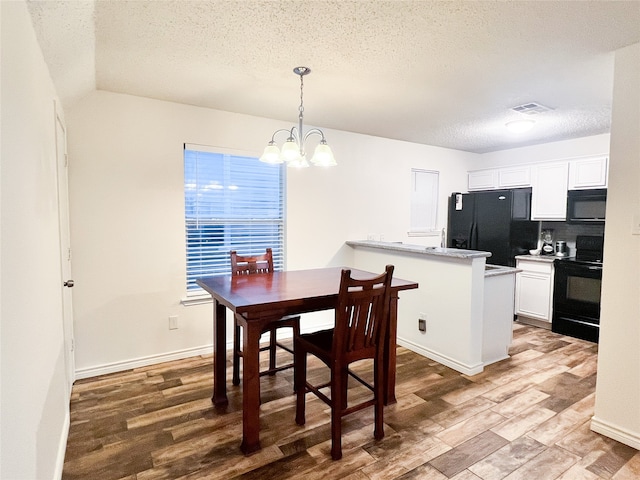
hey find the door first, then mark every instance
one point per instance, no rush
(66, 282)
(493, 225)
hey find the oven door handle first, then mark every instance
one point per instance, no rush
(595, 268)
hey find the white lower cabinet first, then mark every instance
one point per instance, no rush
(534, 291)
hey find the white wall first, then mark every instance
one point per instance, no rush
(617, 412)
(127, 216)
(577, 147)
(34, 400)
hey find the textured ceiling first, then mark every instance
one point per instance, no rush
(442, 73)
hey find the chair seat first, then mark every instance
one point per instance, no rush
(320, 341)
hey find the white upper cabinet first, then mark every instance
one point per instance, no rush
(549, 182)
(482, 180)
(549, 191)
(514, 177)
(508, 177)
(588, 173)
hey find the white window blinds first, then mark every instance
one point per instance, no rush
(424, 200)
(232, 202)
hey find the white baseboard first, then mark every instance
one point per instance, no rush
(443, 359)
(62, 445)
(620, 434)
(143, 361)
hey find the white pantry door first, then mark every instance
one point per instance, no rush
(66, 282)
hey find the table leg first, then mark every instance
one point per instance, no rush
(219, 355)
(251, 387)
(390, 353)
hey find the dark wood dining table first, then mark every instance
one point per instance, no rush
(262, 298)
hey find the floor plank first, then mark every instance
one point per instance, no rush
(522, 418)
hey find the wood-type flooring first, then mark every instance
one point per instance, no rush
(523, 418)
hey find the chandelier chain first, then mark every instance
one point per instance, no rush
(301, 107)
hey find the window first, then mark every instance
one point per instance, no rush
(232, 202)
(424, 201)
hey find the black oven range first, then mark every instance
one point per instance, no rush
(576, 290)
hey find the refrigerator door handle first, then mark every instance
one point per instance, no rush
(473, 236)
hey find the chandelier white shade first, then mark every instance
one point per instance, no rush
(293, 150)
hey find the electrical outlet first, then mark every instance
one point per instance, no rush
(422, 325)
(173, 322)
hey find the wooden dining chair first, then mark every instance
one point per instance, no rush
(361, 321)
(249, 265)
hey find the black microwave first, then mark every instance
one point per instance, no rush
(586, 206)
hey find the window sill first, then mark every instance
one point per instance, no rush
(429, 233)
(196, 300)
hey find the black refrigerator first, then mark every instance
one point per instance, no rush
(496, 221)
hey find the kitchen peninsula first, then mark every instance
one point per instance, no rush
(467, 306)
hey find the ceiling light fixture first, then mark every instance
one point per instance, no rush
(293, 150)
(520, 126)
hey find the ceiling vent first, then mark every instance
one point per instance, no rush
(531, 108)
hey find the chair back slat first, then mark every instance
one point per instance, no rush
(362, 314)
(250, 264)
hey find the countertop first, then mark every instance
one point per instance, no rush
(421, 249)
(490, 270)
(496, 270)
(538, 258)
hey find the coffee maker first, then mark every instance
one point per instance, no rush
(546, 237)
(561, 249)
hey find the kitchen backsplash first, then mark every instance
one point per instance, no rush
(568, 232)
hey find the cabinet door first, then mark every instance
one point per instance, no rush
(514, 177)
(482, 180)
(534, 297)
(588, 173)
(549, 191)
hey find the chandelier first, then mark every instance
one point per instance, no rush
(293, 150)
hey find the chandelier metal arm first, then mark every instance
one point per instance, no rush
(313, 131)
(273, 137)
